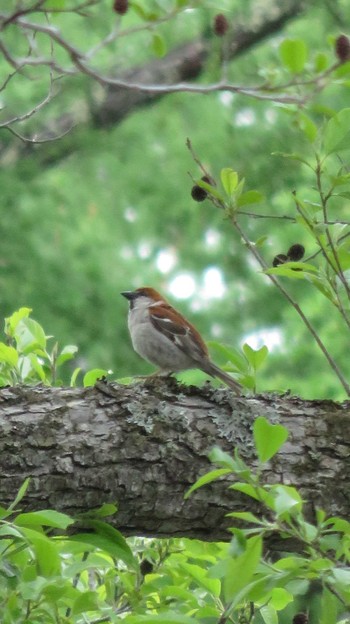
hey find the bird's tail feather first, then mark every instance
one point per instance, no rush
(215, 371)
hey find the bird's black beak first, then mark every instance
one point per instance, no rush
(129, 294)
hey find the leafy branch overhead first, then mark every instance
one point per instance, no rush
(37, 44)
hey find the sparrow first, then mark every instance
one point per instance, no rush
(162, 336)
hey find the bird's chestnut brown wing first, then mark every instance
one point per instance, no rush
(179, 331)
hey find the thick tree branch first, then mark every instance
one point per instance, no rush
(188, 62)
(177, 71)
(143, 446)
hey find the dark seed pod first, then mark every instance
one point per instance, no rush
(146, 567)
(121, 6)
(295, 252)
(208, 180)
(220, 25)
(342, 48)
(279, 259)
(198, 193)
(300, 618)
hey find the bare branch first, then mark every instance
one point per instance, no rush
(34, 110)
(34, 140)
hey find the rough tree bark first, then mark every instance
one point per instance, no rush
(144, 445)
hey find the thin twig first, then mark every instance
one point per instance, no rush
(297, 308)
(34, 110)
(35, 141)
(324, 199)
(323, 251)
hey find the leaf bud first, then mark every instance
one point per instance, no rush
(342, 48)
(300, 618)
(208, 180)
(121, 6)
(220, 25)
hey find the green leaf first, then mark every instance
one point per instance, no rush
(158, 45)
(293, 156)
(342, 578)
(247, 489)
(86, 601)
(8, 354)
(12, 321)
(229, 180)
(241, 569)
(55, 5)
(280, 598)
(293, 270)
(217, 456)
(338, 524)
(93, 375)
(285, 499)
(21, 492)
(232, 355)
(46, 553)
(46, 517)
(323, 286)
(244, 515)
(67, 353)
(29, 336)
(163, 618)
(321, 62)
(207, 478)
(212, 585)
(212, 190)
(337, 132)
(107, 509)
(255, 357)
(329, 608)
(74, 376)
(307, 126)
(268, 438)
(37, 367)
(340, 179)
(268, 614)
(250, 197)
(293, 53)
(108, 539)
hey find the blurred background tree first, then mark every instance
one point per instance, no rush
(106, 205)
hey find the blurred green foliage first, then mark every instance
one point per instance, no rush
(90, 215)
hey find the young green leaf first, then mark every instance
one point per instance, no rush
(250, 197)
(255, 357)
(268, 438)
(241, 569)
(293, 54)
(8, 355)
(12, 321)
(247, 516)
(268, 614)
(21, 492)
(337, 132)
(93, 375)
(285, 499)
(46, 517)
(207, 478)
(229, 180)
(158, 45)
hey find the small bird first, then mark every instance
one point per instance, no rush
(162, 336)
